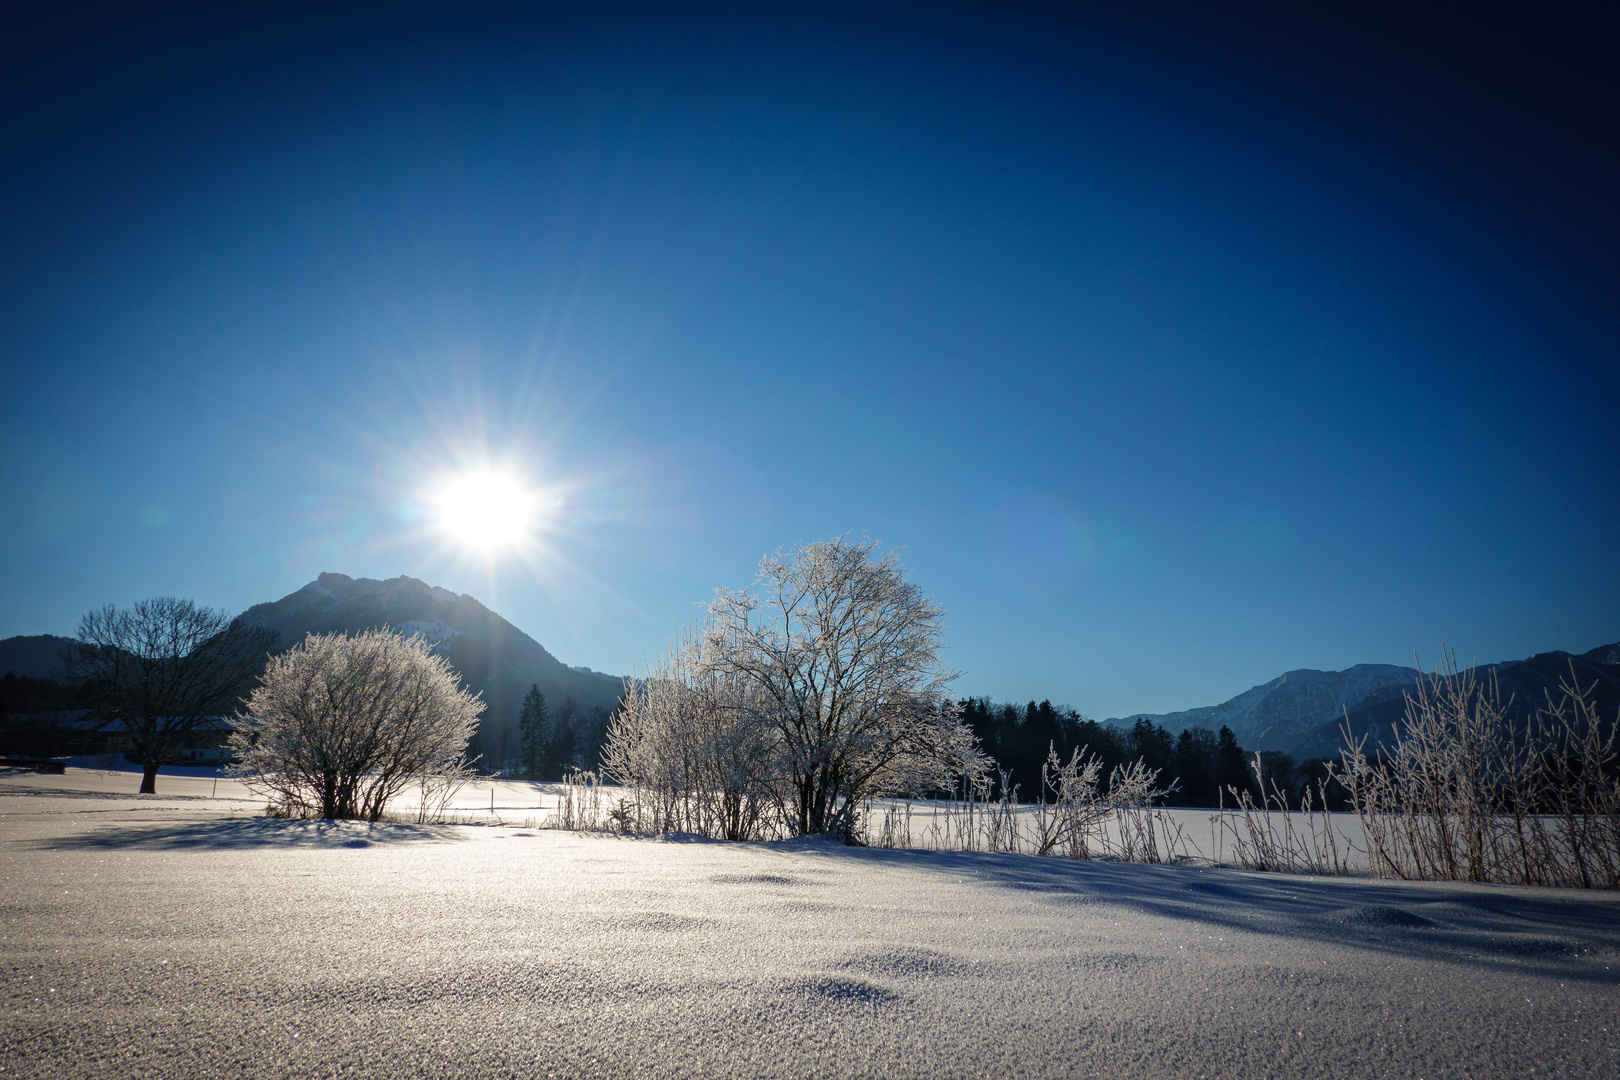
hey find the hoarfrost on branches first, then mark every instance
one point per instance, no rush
(339, 725)
(817, 689)
(694, 743)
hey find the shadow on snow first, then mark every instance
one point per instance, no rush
(259, 832)
(1501, 928)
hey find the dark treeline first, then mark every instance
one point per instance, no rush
(1204, 764)
(41, 719)
(545, 741)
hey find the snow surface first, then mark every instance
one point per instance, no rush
(176, 935)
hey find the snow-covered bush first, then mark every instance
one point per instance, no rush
(339, 725)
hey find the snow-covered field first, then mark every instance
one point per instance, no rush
(180, 935)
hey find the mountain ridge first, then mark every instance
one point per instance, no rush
(1301, 711)
(1274, 713)
(33, 656)
(1524, 685)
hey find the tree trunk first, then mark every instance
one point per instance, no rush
(149, 779)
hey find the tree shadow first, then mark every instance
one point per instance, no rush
(1573, 935)
(123, 796)
(256, 832)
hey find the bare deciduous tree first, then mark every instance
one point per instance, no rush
(339, 725)
(841, 652)
(162, 668)
(793, 703)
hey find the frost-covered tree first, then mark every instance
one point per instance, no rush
(842, 653)
(339, 725)
(162, 668)
(795, 701)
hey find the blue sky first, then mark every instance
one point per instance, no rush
(1174, 350)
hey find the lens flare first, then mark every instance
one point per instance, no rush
(1040, 541)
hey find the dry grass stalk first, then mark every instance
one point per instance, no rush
(1306, 843)
(1080, 822)
(580, 807)
(1470, 792)
(439, 789)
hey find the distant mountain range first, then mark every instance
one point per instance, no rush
(1524, 686)
(493, 657)
(1272, 715)
(1301, 712)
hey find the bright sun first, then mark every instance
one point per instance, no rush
(485, 511)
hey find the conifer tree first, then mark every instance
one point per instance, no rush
(1231, 767)
(534, 724)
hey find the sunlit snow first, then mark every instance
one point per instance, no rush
(314, 948)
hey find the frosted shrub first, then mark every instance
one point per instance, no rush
(1074, 822)
(340, 725)
(1068, 825)
(691, 742)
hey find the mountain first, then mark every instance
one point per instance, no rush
(34, 656)
(1274, 715)
(1524, 685)
(1302, 712)
(1608, 655)
(493, 657)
